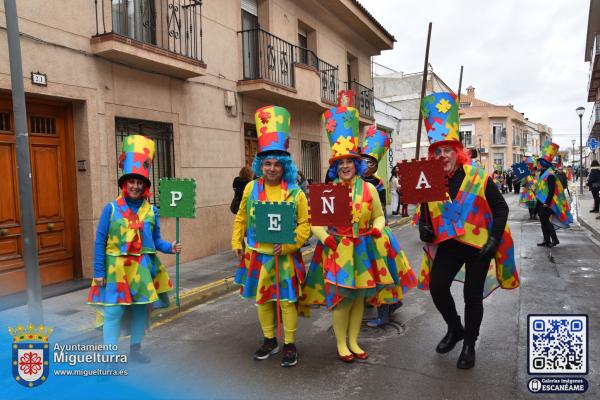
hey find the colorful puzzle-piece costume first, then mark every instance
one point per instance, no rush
(561, 211)
(362, 265)
(467, 219)
(256, 273)
(134, 274)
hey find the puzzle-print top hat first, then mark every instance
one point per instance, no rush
(440, 114)
(136, 158)
(549, 150)
(341, 125)
(272, 129)
(375, 143)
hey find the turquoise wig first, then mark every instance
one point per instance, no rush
(290, 171)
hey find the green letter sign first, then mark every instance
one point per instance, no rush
(275, 222)
(177, 197)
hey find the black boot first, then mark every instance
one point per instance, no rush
(455, 334)
(466, 360)
(137, 355)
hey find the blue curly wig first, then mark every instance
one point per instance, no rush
(359, 164)
(290, 171)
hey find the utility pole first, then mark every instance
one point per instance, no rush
(423, 89)
(30, 251)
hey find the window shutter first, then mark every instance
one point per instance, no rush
(250, 6)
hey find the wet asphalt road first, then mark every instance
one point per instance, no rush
(206, 352)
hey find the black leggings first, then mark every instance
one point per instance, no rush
(450, 257)
(547, 228)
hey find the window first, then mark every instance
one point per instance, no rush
(135, 18)
(466, 134)
(499, 134)
(311, 161)
(302, 52)
(163, 164)
(498, 161)
(250, 39)
(465, 105)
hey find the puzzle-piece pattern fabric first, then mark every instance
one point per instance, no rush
(561, 211)
(362, 265)
(272, 128)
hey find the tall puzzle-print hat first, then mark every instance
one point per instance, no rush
(341, 126)
(549, 150)
(531, 163)
(136, 158)
(440, 114)
(272, 129)
(375, 143)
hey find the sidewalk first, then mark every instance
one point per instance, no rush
(199, 280)
(582, 213)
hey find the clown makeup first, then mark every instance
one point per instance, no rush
(272, 171)
(371, 166)
(135, 188)
(449, 155)
(346, 169)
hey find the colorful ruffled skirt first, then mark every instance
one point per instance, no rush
(257, 276)
(131, 280)
(374, 268)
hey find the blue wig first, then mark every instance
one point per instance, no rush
(290, 171)
(359, 164)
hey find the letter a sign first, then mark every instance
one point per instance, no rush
(275, 222)
(329, 205)
(422, 181)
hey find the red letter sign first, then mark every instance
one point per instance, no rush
(329, 205)
(422, 181)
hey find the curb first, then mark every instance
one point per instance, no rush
(582, 221)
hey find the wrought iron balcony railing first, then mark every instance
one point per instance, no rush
(364, 98)
(172, 25)
(266, 56)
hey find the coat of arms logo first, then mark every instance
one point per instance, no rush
(30, 354)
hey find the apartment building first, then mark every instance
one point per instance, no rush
(592, 55)
(187, 73)
(498, 132)
(403, 91)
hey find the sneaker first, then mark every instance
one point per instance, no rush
(137, 355)
(268, 348)
(290, 355)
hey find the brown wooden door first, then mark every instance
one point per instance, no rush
(53, 191)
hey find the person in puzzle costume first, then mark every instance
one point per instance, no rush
(277, 177)
(361, 262)
(527, 195)
(375, 144)
(127, 271)
(469, 229)
(552, 205)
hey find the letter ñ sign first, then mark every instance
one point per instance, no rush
(275, 222)
(329, 205)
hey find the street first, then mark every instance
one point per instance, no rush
(211, 345)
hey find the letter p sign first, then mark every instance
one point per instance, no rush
(175, 196)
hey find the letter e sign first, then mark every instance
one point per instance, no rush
(275, 222)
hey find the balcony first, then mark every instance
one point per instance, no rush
(594, 126)
(363, 100)
(160, 36)
(276, 70)
(594, 75)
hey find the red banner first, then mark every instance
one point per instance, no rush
(330, 205)
(422, 181)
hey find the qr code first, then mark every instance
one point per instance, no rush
(557, 344)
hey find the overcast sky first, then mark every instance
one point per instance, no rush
(529, 53)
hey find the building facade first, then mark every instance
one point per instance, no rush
(498, 132)
(592, 56)
(188, 74)
(403, 91)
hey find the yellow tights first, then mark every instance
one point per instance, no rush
(347, 317)
(268, 320)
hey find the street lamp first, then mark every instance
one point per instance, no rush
(573, 158)
(580, 111)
